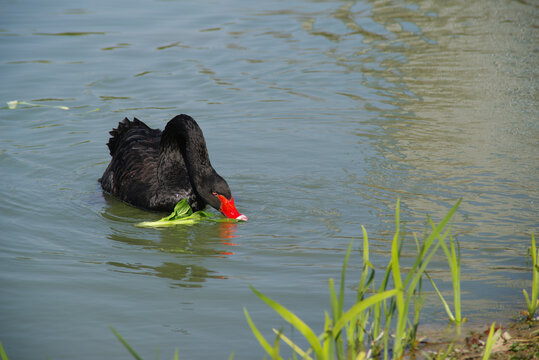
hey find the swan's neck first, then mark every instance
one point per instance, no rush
(182, 134)
(183, 154)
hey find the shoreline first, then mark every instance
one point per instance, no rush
(519, 340)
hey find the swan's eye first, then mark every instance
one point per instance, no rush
(214, 193)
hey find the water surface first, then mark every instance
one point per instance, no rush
(320, 115)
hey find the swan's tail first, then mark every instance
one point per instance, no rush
(119, 133)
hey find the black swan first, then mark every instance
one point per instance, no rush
(154, 169)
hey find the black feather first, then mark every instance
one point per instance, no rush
(154, 170)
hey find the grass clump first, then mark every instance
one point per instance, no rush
(378, 325)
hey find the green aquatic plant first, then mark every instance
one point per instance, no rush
(386, 307)
(405, 335)
(322, 345)
(184, 215)
(534, 300)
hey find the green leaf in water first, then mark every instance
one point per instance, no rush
(184, 215)
(12, 105)
(181, 210)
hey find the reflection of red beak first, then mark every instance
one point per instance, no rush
(229, 210)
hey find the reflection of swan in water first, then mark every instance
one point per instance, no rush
(200, 240)
(183, 275)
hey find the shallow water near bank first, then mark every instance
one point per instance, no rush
(320, 115)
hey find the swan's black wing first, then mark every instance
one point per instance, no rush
(143, 173)
(132, 172)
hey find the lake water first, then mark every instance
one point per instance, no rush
(320, 115)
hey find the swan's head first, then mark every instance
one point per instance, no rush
(215, 191)
(228, 208)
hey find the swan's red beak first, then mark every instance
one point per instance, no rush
(229, 210)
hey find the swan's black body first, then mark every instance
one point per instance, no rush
(154, 169)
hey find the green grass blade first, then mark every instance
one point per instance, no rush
(456, 280)
(433, 235)
(419, 301)
(527, 299)
(293, 346)
(359, 307)
(420, 271)
(365, 280)
(276, 345)
(446, 305)
(365, 245)
(3, 352)
(367, 277)
(336, 310)
(453, 259)
(343, 275)
(491, 340)
(125, 343)
(402, 310)
(263, 342)
(532, 304)
(290, 317)
(333, 299)
(534, 254)
(397, 216)
(327, 340)
(401, 321)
